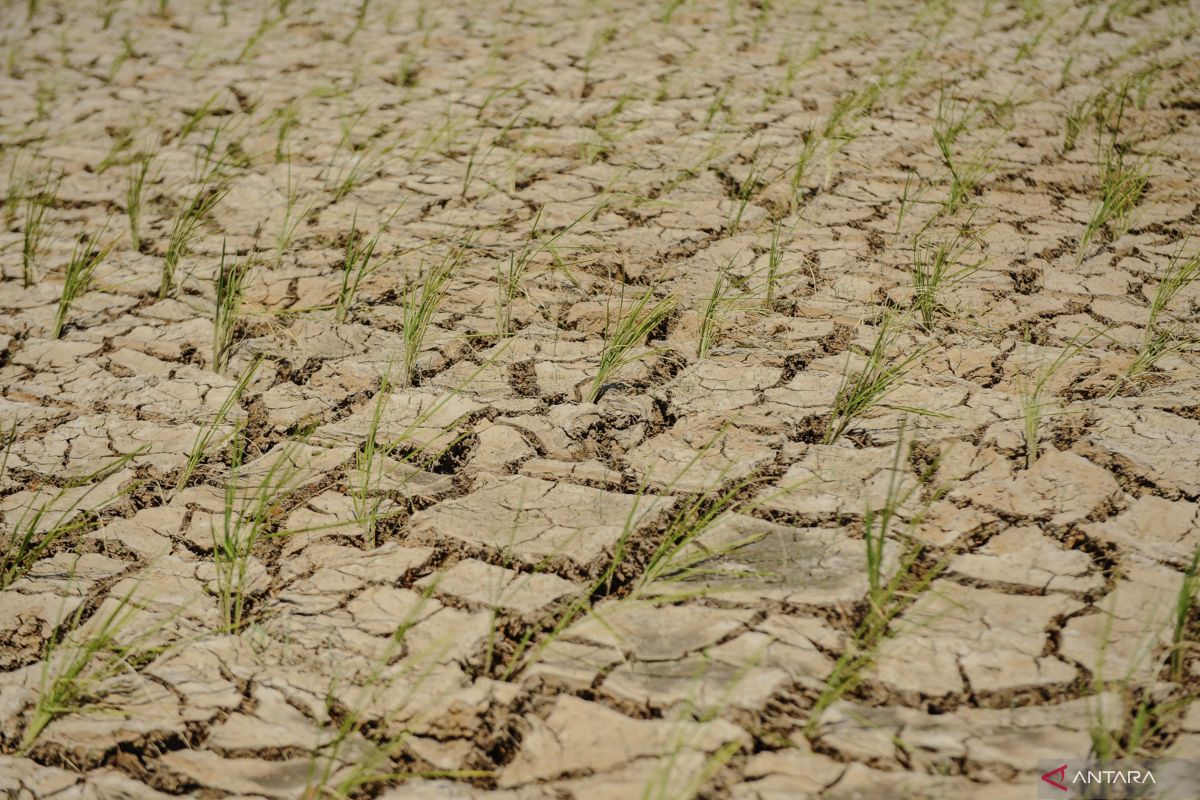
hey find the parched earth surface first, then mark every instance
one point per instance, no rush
(314, 572)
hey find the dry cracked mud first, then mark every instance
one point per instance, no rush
(681, 399)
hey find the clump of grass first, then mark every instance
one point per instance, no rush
(1034, 405)
(366, 500)
(641, 319)
(18, 185)
(359, 168)
(36, 228)
(1123, 182)
(230, 284)
(288, 117)
(940, 265)
(76, 670)
(85, 258)
(1181, 273)
(206, 437)
(197, 116)
(966, 173)
(863, 390)
(473, 158)
(357, 265)
(134, 191)
(337, 771)
(1159, 341)
(723, 301)
(248, 514)
(509, 278)
(43, 526)
(1185, 603)
(1155, 346)
(887, 597)
(746, 189)
(1076, 119)
(291, 217)
(837, 131)
(422, 299)
(774, 260)
(184, 227)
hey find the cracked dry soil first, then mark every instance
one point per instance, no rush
(325, 556)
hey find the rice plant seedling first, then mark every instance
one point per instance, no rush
(197, 116)
(1156, 345)
(600, 38)
(19, 181)
(230, 284)
(422, 298)
(184, 227)
(366, 500)
(746, 189)
(208, 436)
(527, 652)
(721, 301)
(965, 176)
(1159, 341)
(509, 280)
(1034, 405)
(357, 264)
(1185, 605)
(52, 519)
(222, 155)
(473, 158)
(1076, 119)
(134, 191)
(359, 168)
(75, 671)
(1181, 272)
(774, 261)
(863, 390)
(293, 215)
(265, 24)
(887, 596)
(668, 10)
(510, 277)
(952, 120)
(248, 515)
(36, 227)
(288, 118)
(642, 318)
(127, 52)
(966, 173)
(360, 18)
(674, 559)
(1124, 179)
(909, 196)
(836, 132)
(85, 257)
(1122, 186)
(122, 140)
(10, 438)
(337, 771)
(941, 265)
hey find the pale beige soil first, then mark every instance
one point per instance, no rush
(508, 629)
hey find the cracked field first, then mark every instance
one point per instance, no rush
(534, 400)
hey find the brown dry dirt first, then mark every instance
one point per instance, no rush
(475, 583)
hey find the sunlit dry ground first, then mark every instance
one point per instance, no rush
(596, 400)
